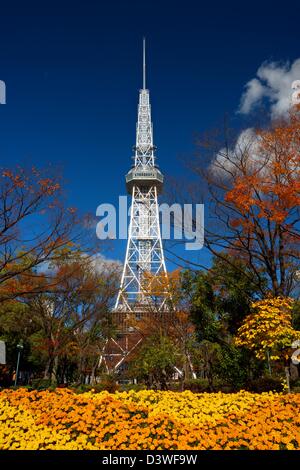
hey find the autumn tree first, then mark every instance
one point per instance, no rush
(16, 326)
(253, 201)
(268, 331)
(71, 319)
(34, 227)
(169, 320)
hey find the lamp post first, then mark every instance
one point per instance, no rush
(19, 347)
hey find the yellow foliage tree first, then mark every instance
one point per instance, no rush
(157, 285)
(268, 330)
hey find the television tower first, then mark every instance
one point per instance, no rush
(144, 260)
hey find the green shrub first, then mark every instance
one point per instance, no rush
(221, 385)
(295, 386)
(197, 385)
(107, 382)
(202, 385)
(82, 388)
(175, 386)
(265, 384)
(109, 386)
(42, 384)
(134, 387)
(231, 369)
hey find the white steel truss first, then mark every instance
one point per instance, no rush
(144, 253)
(144, 150)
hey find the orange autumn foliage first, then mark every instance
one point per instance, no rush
(255, 198)
(271, 186)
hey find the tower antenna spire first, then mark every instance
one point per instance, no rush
(144, 259)
(144, 63)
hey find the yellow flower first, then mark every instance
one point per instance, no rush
(148, 420)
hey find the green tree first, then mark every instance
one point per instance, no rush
(219, 298)
(155, 361)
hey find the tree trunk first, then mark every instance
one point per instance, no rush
(93, 374)
(269, 363)
(210, 377)
(287, 375)
(47, 369)
(54, 370)
(194, 375)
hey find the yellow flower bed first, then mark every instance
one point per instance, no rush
(148, 420)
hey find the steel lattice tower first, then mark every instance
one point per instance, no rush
(144, 253)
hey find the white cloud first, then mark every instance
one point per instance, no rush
(245, 152)
(98, 263)
(273, 81)
(254, 93)
(101, 264)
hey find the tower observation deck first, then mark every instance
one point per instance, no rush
(144, 257)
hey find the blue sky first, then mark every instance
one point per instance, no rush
(73, 70)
